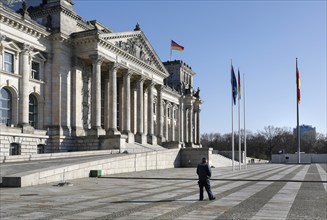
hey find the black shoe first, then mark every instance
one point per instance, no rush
(213, 198)
(200, 199)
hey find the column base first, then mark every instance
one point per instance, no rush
(130, 137)
(140, 138)
(113, 131)
(151, 139)
(113, 142)
(172, 145)
(192, 145)
(27, 129)
(97, 131)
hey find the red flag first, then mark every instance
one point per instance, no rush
(298, 84)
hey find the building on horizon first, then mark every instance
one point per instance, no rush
(307, 132)
(67, 84)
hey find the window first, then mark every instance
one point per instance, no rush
(33, 111)
(9, 62)
(154, 108)
(35, 74)
(5, 107)
(41, 149)
(14, 149)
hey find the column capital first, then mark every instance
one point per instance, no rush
(77, 62)
(140, 79)
(98, 59)
(27, 49)
(2, 37)
(128, 73)
(159, 87)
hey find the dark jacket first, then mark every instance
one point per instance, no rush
(203, 170)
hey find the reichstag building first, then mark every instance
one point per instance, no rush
(67, 84)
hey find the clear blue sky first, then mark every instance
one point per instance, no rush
(263, 38)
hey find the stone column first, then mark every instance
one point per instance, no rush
(113, 100)
(127, 107)
(133, 108)
(159, 114)
(120, 104)
(166, 122)
(76, 87)
(151, 137)
(2, 39)
(47, 92)
(181, 122)
(190, 125)
(106, 104)
(25, 72)
(96, 92)
(172, 123)
(198, 128)
(195, 125)
(140, 138)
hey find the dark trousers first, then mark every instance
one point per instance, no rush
(206, 185)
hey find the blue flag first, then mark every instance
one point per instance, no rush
(234, 85)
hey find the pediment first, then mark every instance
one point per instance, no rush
(38, 55)
(136, 44)
(11, 46)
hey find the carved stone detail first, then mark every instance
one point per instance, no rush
(86, 92)
(135, 47)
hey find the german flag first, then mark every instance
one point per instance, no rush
(176, 46)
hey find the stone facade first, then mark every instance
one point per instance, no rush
(70, 85)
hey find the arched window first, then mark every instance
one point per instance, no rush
(5, 107)
(33, 114)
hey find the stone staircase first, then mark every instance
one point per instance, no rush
(218, 160)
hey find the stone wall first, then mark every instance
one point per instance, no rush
(120, 163)
(304, 158)
(27, 142)
(191, 157)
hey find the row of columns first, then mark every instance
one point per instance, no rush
(144, 133)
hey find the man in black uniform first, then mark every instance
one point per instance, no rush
(204, 172)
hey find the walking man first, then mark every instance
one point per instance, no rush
(204, 172)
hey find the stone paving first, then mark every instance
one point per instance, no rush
(263, 191)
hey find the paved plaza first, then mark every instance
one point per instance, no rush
(262, 191)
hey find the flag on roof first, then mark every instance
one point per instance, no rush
(176, 46)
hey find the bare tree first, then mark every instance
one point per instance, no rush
(274, 137)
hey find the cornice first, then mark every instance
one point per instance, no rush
(130, 57)
(154, 57)
(89, 37)
(171, 91)
(19, 23)
(43, 11)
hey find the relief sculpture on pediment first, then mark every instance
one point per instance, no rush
(135, 47)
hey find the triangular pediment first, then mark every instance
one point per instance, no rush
(11, 46)
(136, 44)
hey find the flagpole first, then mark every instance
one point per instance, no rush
(171, 51)
(245, 164)
(297, 113)
(239, 123)
(244, 122)
(232, 123)
(232, 132)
